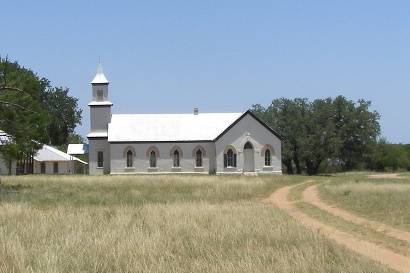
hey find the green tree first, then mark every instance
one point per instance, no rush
(336, 130)
(63, 114)
(32, 112)
(358, 129)
(389, 157)
(286, 117)
(319, 139)
(22, 116)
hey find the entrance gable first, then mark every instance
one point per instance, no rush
(249, 135)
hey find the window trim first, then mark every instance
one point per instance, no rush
(154, 148)
(176, 147)
(202, 150)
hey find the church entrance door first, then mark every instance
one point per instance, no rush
(248, 158)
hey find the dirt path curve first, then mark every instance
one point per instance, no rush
(310, 195)
(373, 251)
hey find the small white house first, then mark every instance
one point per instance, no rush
(47, 160)
(209, 143)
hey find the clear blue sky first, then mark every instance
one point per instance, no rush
(220, 56)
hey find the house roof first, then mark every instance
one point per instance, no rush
(99, 77)
(77, 149)
(48, 153)
(169, 127)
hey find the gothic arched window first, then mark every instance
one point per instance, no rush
(267, 158)
(230, 159)
(198, 158)
(176, 158)
(129, 159)
(152, 159)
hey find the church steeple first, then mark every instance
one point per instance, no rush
(100, 106)
(99, 77)
(100, 117)
(100, 88)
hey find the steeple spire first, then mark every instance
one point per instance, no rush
(99, 77)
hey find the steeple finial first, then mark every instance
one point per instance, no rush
(99, 77)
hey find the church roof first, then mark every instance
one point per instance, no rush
(99, 77)
(169, 127)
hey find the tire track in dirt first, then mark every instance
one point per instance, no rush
(311, 195)
(393, 260)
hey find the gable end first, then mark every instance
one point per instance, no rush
(248, 112)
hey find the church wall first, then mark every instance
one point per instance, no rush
(96, 145)
(164, 160)
(100, 116)
(248, 129)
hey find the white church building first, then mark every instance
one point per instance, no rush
(208, 143)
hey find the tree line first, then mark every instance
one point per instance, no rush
(331, 135)
(321, 135)
(33, 112)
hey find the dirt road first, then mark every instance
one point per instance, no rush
(378, 253)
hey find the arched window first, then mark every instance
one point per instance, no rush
(129, 159)
(176, 158)
(268, 152)
(248, 145)
(267, 158)
(152, 159)
(198, 158)
(230, 159)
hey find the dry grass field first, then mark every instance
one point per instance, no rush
(162, 223)
(384, 198)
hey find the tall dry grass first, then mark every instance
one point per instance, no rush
(384, 200)
(158, 224)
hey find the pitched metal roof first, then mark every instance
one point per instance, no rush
(77, 149)
(99, 77)
(48, 153)
(169, 127)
